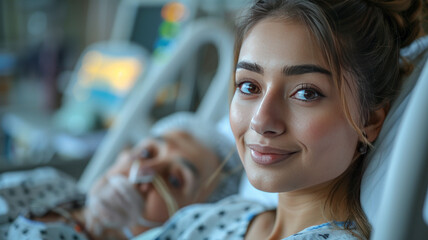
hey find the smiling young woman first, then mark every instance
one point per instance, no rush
(313, 84)
(292, 135)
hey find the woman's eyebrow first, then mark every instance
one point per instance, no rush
(303, 69)
(253, 67)
(287, 70)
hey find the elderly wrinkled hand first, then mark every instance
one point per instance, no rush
(116, 205)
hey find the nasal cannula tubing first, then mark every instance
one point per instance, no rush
(137, 176)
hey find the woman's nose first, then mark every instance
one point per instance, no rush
(267, 119)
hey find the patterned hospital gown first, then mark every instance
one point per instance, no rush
(229, 219)
(34, 193)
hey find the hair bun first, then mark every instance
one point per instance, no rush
(406, 15)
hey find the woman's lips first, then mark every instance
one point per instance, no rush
(266, 155)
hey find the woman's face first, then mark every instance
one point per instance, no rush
(286, 114)
(183, 163)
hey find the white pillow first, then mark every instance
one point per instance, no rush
(373, 181)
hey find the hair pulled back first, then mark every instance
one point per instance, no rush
(361, 42)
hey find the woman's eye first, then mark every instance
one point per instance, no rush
(307, 95)
(174, 181)
(248, 88)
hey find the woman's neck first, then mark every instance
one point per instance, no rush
(300, 209)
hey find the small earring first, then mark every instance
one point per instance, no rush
(362, 148)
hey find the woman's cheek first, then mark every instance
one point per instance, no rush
(328, 134)
(314, 129)
(240, 118)
(314, 125)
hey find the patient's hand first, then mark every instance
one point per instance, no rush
(113, 205)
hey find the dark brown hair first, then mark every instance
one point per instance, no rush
(361, 42)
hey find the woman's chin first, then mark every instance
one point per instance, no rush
(264, 183)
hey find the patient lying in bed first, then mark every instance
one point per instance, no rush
(146, 185)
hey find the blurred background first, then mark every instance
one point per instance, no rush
(68, 66)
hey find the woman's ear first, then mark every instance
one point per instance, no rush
(375, 122)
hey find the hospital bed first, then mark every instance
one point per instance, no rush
(102, 80)
(394, 188)
(133, 119)
(395, 183)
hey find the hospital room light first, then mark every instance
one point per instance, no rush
(174, 12)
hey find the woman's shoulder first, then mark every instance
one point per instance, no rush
(225, 219)
(232, 205)
(323, 231)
